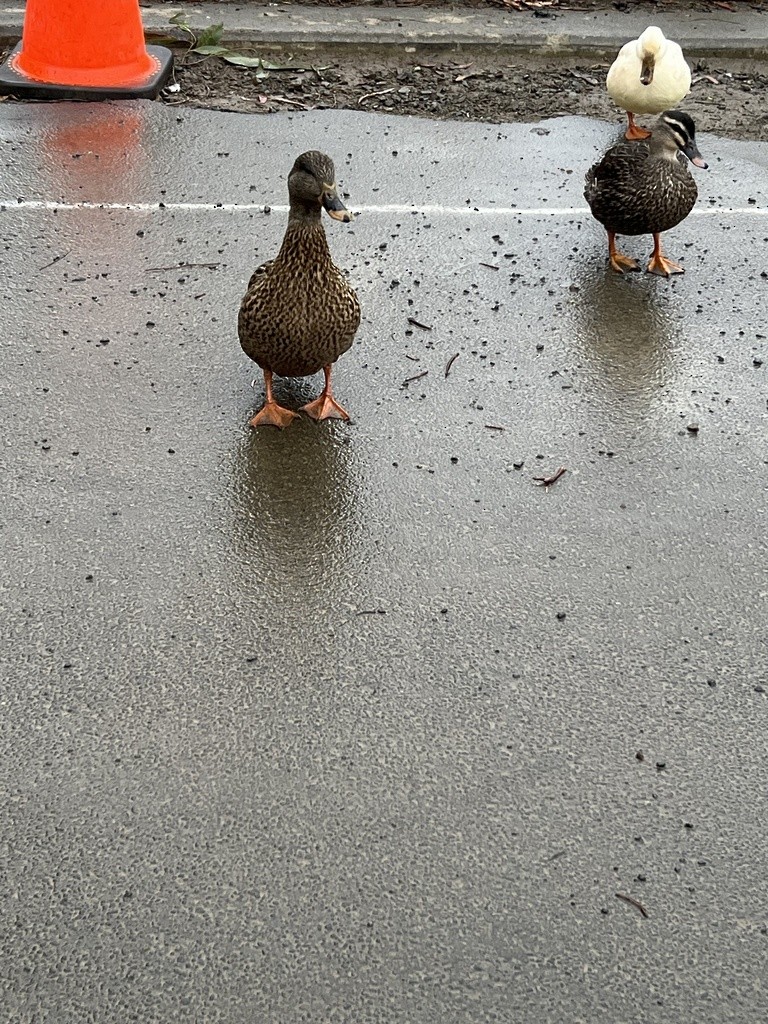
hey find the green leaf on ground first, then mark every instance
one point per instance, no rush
(211, 51)
(241, 59)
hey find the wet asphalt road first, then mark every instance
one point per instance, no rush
(355, 723)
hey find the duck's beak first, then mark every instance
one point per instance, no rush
(649, 66)
(693, 154)
(335, 207)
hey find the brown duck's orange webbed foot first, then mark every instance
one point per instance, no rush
(271, 414)
(325, 407)
(618, 260)
(634, 132)
(621, 263)
(659, 264)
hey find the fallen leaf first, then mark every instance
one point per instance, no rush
(211, 50)
(242, 60)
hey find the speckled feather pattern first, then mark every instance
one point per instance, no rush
(299, 313)
(632, 192)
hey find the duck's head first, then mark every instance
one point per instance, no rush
(312, 185)
(680, 128)
(650, 47)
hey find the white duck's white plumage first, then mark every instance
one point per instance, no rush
(655, 55)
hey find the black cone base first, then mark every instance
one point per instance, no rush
(14, 84)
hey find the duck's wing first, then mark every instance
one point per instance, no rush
(623, 68)
(620, 161)
(258, 273)
(678, 69)
(610, 177)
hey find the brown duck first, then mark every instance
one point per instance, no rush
(644, 188)
(299, 314)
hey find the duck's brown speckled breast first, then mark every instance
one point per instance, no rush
(299, 313)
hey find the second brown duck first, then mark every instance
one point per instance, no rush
(645, 188)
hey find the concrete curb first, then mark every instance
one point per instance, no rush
(569, 33)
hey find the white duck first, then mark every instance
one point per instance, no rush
(649, 75)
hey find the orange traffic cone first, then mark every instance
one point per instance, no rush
(84, 49)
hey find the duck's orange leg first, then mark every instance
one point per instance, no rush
(271, 414)
(325, 407)
(659, 264)
(634, 131)
(619, 261)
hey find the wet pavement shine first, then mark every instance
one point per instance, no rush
(356, 722)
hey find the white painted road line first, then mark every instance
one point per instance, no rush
(483, 211)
